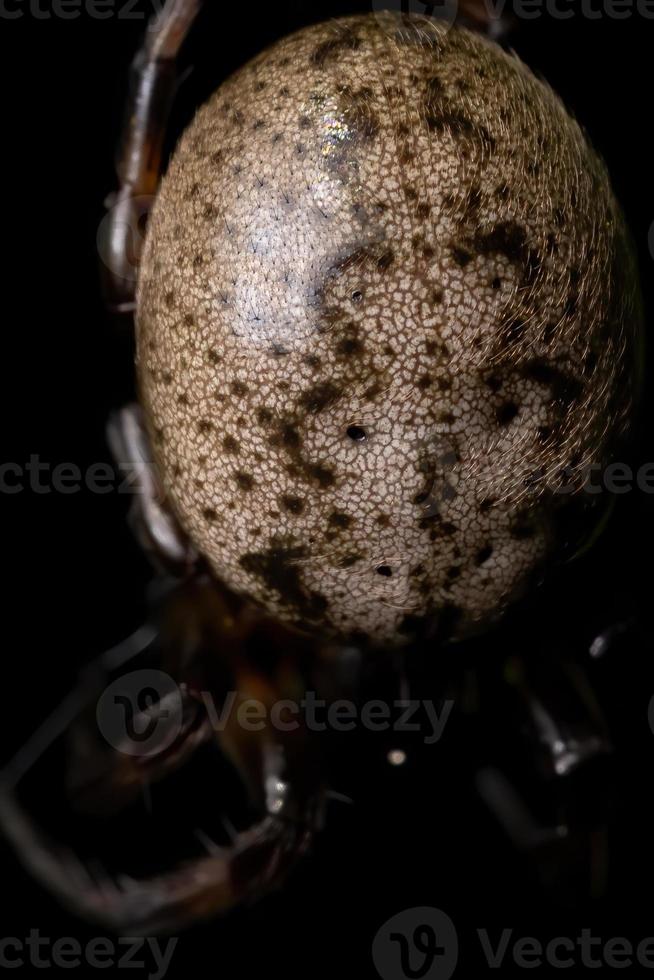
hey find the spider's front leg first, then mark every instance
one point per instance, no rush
(152, 88)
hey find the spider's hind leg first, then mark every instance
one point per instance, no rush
(152, 88)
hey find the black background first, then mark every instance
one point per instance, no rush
(74, 580)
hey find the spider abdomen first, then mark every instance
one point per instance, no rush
(384, 322)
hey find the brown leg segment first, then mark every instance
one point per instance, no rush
(152, 88)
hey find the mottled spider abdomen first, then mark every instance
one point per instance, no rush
(384, 320)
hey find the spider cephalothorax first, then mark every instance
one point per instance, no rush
(385, 311)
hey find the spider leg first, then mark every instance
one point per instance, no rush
(167, 902)
(547, 789)
(82, 773)
(152, 87)
(151, 521)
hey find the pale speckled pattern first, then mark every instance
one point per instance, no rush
(385, 301)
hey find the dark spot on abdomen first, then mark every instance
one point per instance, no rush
(319, 397)
(350, 343)
(339, 519)
(319, 473)
(231, 445)
(295, 505)
(349, 560)
(507, 412)
(276, 568)
(244, 481)
(564, 387)
(483, 554)
(330, 49)
(386, 260)
(461, 255)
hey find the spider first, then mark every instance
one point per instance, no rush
(275, 784)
